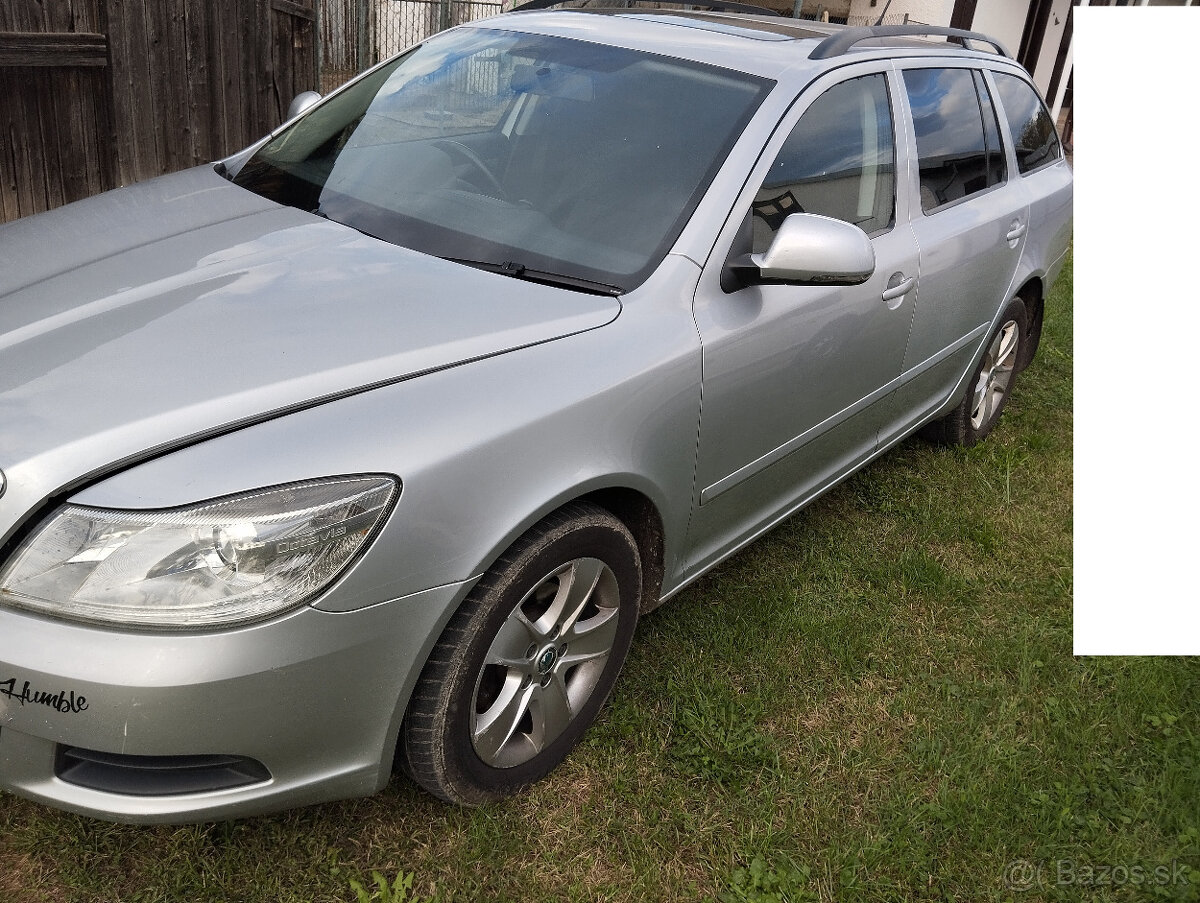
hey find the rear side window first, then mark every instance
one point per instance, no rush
(839, 161)
(997, 166)
(1033, 133)
(952, 149)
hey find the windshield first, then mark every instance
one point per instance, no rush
(516, 152)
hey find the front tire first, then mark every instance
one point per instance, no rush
(991, 385)
(528, 660)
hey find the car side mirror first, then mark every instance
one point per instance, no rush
(813, 250)
(302, 102)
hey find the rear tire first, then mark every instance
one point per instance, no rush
(1035, 311)
(991, 385)
(526, 663)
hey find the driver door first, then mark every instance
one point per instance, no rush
(794, 374)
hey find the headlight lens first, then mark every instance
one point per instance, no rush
(221, 562)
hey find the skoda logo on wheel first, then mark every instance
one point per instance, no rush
(546, 660)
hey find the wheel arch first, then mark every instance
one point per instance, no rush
(641, 516)
(1032, 292)
(627, 499)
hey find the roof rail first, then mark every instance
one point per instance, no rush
(844, 40)
(719, 5)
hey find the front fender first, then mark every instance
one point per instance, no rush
(483, 450)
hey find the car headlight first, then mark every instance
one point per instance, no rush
(224, 561)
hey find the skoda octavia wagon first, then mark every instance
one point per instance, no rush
(366, 447)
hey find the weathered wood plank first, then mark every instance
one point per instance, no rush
(217, 86)
(143, 67)
(268, 80)
(58, 17)
(74, 154)
(23, 15)
(55, 125)
(281, 63)
(249, 105)
(159, 73)
(9, 180)
(121, 80)
(108, 155)
(109, 92)
(45, 115)
(252, 75)
(44, 17)
(85, 15)
(26, 145)
(199, 102)
(91, 128)
(53, 50)
(180, 132)
(291, 8)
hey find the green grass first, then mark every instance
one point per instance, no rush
(878, 701)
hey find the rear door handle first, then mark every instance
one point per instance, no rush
(1016, 230)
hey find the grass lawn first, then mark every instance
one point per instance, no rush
(877, 701)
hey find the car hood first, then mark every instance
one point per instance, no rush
(151, 316)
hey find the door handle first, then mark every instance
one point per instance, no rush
(898, 286)
(1016, 230)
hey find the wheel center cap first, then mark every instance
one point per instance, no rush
(546, 660)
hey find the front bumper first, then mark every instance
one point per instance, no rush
(315, 698)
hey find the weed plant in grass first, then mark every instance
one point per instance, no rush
(876, 702)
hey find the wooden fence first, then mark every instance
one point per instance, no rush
(100, 93)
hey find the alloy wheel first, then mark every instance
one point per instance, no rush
(996, 374)
(544, 663)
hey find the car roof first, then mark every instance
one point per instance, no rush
(765, 45)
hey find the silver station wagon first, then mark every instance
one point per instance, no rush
(365, 448)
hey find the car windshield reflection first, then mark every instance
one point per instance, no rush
(491, 146)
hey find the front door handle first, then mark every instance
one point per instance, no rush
(898, 286)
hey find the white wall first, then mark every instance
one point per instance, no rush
(833, 7)
(1003, 20)
(1050, 44)
(930, 12)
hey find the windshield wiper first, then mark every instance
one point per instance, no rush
(545, 277)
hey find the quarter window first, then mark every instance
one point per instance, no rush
(839, 161)
(951, 147)
(1033, 134)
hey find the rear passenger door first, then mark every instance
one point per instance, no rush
(1043, 173)
(969, 219)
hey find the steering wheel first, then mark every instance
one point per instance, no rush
(473, 158)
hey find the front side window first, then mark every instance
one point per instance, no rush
(1033, 134)
(839, 161)
(952, 149)
(523, 153)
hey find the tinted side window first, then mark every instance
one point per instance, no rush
(951, 148)
(838, 161)
(997, 165)
(1033, 133)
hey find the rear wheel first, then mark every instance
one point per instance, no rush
(990, 386)
(526, 663)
